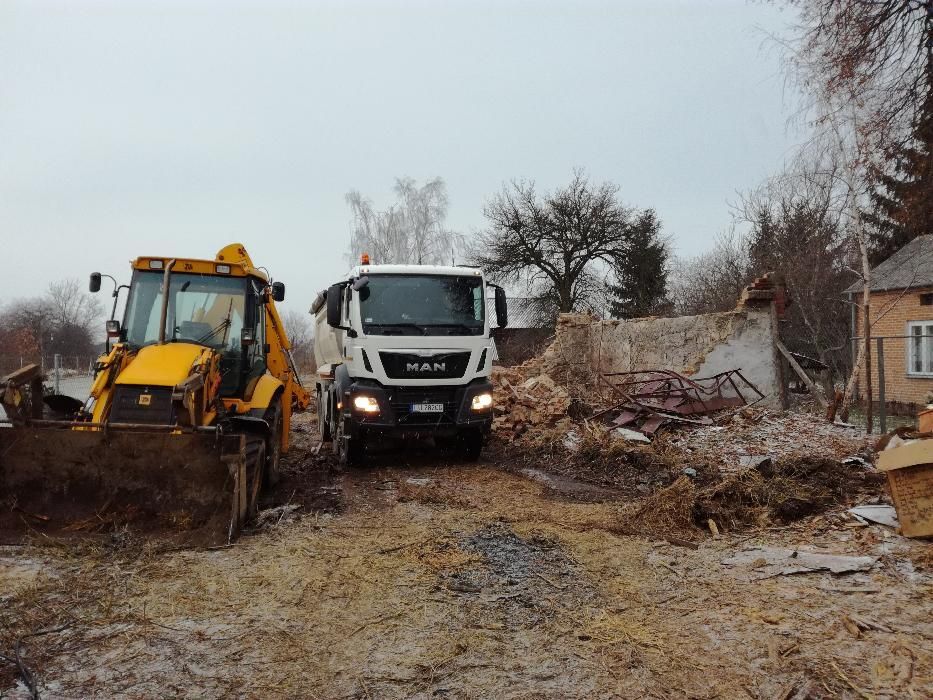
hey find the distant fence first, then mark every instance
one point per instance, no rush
(69, 375)
(901, 376)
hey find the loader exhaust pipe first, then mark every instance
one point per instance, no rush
(163, 316)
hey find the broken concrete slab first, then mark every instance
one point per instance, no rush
(630, 435)
(779, 561)
(881, 514)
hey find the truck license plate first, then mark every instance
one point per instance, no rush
(427, 408)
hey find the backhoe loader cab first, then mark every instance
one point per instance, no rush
(189, 411)
(223, 312)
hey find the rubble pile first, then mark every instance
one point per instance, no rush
(743, 439)
(530, 405)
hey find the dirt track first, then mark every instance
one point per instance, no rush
(449, 580)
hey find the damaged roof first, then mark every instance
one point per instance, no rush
(910, 267)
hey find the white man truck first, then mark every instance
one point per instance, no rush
(405, 350)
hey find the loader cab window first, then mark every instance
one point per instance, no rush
(203, 309)
(255, 355)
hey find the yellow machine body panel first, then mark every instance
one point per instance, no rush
(161, 365)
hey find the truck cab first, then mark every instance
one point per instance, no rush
(405, 350)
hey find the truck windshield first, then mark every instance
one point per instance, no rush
(203, 309)
(422, 305)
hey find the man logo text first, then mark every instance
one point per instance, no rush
(426, 367)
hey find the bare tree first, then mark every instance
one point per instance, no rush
(712, 281)
(565, 246)
(413, 230)
(796, 233)
(72, 305)
(298, 327)
(864, 63)
(29, 322)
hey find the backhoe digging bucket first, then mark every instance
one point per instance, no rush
(193, 488)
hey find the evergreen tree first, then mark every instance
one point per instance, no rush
(902, 199)
(640, 287)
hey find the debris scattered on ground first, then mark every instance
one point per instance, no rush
(752, 434)
(630, 435)
(881, 514)
(782, 492)
(781, 561)
(273, 517)
(667, 513)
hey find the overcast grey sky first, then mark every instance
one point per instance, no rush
(174, 127)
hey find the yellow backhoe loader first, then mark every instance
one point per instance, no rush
(187, 417)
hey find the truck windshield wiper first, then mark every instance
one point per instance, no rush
(417, 327)
(469, 329)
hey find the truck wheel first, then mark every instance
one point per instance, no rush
(273, 445)
(349, 450)
(471, 444)
(323, 422)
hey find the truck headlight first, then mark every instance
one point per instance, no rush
(367, 404)
(482, 401)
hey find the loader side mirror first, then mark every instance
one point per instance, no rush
(502, 308)
(278, 291)
(94, 286)
(334, 294)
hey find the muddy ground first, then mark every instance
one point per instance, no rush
(421, 577)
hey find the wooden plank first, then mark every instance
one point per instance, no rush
(804, 377)
(22, 375)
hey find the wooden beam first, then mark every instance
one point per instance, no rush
(804, 377)
(21, 376)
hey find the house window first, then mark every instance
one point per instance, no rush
(926, 300)
(920, 348)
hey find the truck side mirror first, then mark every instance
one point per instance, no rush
(502, 308)
(94, 286)
(278, 291)
(334, 293)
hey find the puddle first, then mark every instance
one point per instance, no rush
(571, 489)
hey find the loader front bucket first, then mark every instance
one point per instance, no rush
(191, 488)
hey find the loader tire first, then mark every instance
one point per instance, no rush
(273, 445)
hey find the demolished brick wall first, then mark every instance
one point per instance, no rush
(696, 346)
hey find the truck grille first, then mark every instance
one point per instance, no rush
(142, 404)
(400, 365)
(402, 400)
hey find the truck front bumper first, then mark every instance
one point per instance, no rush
(398, 409)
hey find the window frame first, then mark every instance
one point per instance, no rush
(926, 348)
